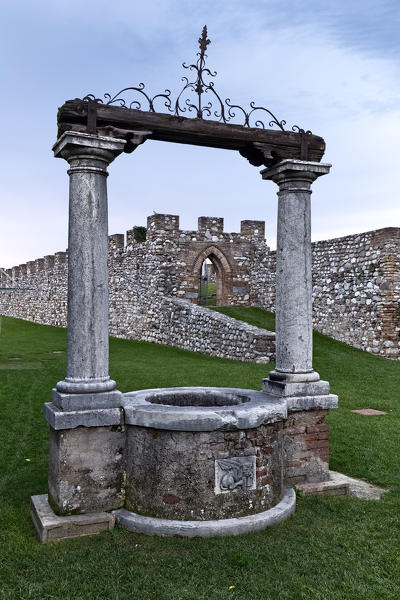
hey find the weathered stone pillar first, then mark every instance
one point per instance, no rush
(86, 440)
(87, 384)
(308, 399)
(294, 375)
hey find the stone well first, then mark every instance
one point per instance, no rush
(180, 461)
(199, 459)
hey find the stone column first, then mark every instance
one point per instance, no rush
(86, 463)
(87, 383)
(294, 375)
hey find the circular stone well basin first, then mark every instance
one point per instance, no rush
(200, 454)
(202, 408)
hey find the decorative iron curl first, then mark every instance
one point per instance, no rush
(247, 115)
(223, 110)
(199, 86)
(298, 129)
(92, 98)
(135, 104)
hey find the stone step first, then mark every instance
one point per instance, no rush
(339, 484)
(51, 527)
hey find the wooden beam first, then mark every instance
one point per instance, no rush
(269, 143)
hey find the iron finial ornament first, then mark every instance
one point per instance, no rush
(203, 41)
(199, 86)
(216, 109)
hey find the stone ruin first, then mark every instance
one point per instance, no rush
(153, 288)
(356, 288)
(235, 256)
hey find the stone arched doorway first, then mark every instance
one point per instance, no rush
(223, 273)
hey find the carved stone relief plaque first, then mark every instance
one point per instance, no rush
(235, 473)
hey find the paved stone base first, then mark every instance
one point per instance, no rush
(342, 485)
(50, 527)
(236, 526)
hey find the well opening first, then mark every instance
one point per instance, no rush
(185, 398)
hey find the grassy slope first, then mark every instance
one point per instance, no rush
(330, 548)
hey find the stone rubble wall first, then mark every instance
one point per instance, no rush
(356, 287)
(138, 307)
(41, 291)
(356, 290)
(191, 456)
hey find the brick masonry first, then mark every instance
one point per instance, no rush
(180, 255)
(306, 447)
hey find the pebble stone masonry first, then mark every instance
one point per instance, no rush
(180, 461)
(356, 288)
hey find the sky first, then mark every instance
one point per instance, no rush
(331, 67)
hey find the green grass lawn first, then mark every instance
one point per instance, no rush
(330, 548)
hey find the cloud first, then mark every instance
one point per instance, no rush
(309, 63)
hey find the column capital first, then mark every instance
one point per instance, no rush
(290, 169)
(74, 144)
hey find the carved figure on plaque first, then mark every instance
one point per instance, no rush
(231, 473)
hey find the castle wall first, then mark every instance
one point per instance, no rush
(141, 276)
(356, 287)
(356, 290)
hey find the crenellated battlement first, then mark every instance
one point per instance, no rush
(208, 228)
(210, 225)
(47, 264)
(158, 223)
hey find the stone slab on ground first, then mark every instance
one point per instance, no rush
(369, 411)
(339, 484)
(50, 527)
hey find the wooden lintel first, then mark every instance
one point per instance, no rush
(182, 130)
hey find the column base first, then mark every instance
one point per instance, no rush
(70, 419)
(282, 385)
(86, 468)
(70, 385)
(86, 401)
(51, 527)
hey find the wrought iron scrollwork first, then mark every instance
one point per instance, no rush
(298, 129)
(136, 104)
(215, 108)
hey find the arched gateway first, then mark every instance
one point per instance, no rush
(223, 273)
(229, 463)
(232, 257)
